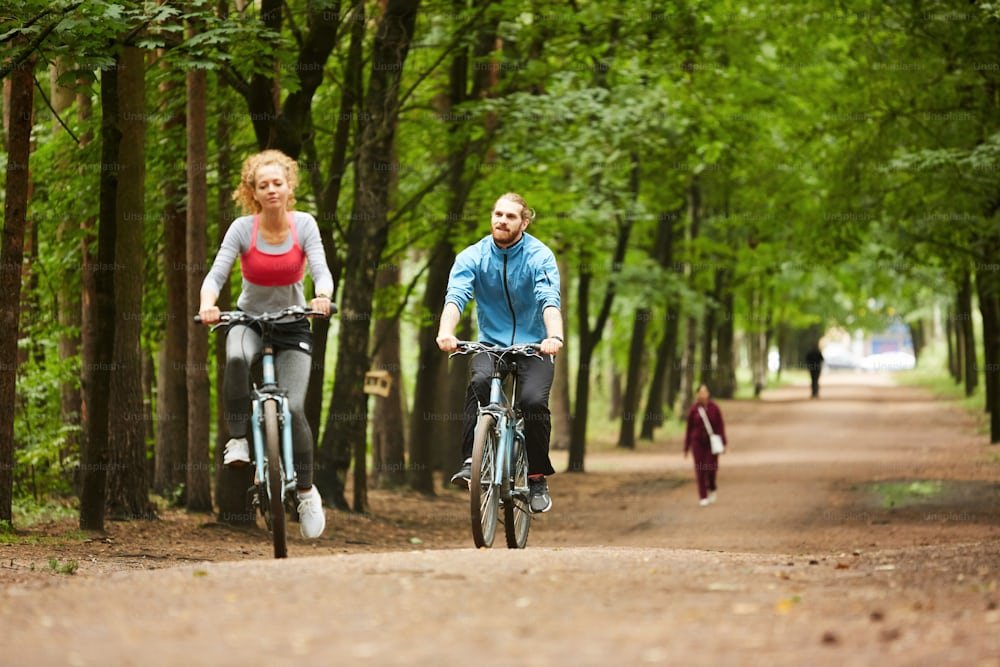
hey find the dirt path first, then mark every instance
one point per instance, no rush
(860, 529)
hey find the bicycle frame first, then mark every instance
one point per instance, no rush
(270, 391)
(509, 423)
(502, 411)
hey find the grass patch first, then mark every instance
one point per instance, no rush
(67, 537)
(900, 494)
(69, 567)
(28, 513)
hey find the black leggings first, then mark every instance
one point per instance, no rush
(534, 380)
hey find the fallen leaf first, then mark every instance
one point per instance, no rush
(830, 638)
(785, 606)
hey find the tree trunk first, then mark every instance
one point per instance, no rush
(614, 388)
(327, 218)
(427, 427)
(725, 374)
(88, 301)
(429, 408)
(367, 236)
(664, 371)
(562, 421)
(636, 358)
(589, 338)
(456, 380)
(198, 487)
(388, 436)
(917, 337)
(988, 290)
(68, 301)
(708, 334)
(949, 334)
(660, 381)
(94, 462)
(128, 483)
(332, 459)
(967, 335)
(231, 483)
(11, 258)
(171, 405)
(691, 325)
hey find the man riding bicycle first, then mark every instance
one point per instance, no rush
(515, 281)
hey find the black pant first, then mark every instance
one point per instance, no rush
(534, 380)
(814, 376)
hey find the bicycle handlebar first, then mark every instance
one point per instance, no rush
(293, 312)
(471, 346)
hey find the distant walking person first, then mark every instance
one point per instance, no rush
(814, 362)
(696, 440)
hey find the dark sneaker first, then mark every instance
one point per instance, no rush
(539, 495)
(462, 477)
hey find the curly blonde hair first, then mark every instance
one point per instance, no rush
(248, 175)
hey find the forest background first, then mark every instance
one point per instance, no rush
(717, 179)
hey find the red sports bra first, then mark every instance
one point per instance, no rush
(267, 270)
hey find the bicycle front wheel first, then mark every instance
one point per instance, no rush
(484, 499)
(275, 483)
(516, 512)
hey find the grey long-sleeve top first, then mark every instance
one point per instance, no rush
(256, 299)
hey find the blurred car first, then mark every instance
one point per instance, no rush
(889, 361)
(841, 361)
(838, 357)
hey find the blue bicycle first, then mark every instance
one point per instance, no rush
(273, 490)
(499, 457)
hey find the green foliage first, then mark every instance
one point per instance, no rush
(845, 157)
(57, 567)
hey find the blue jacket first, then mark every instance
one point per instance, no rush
(512, 287)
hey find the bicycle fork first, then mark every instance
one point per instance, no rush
(269, 391)
(501, 414)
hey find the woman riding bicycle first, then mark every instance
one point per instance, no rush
(274, 243)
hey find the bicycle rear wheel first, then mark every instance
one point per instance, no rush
(516, 512)
(275, 483)
(484, 499)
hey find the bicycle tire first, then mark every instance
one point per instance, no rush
(516, 511)
(275, 483)
(484, 499)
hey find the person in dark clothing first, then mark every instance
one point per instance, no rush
(706, 464)
(814, 362)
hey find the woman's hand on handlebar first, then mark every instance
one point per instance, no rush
(210, 315)
(321, 304)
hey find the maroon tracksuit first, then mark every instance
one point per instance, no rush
(696, 440)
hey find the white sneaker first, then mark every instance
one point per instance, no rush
(237, 452)
(704, 502)
(312, 518)
(711, 497)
